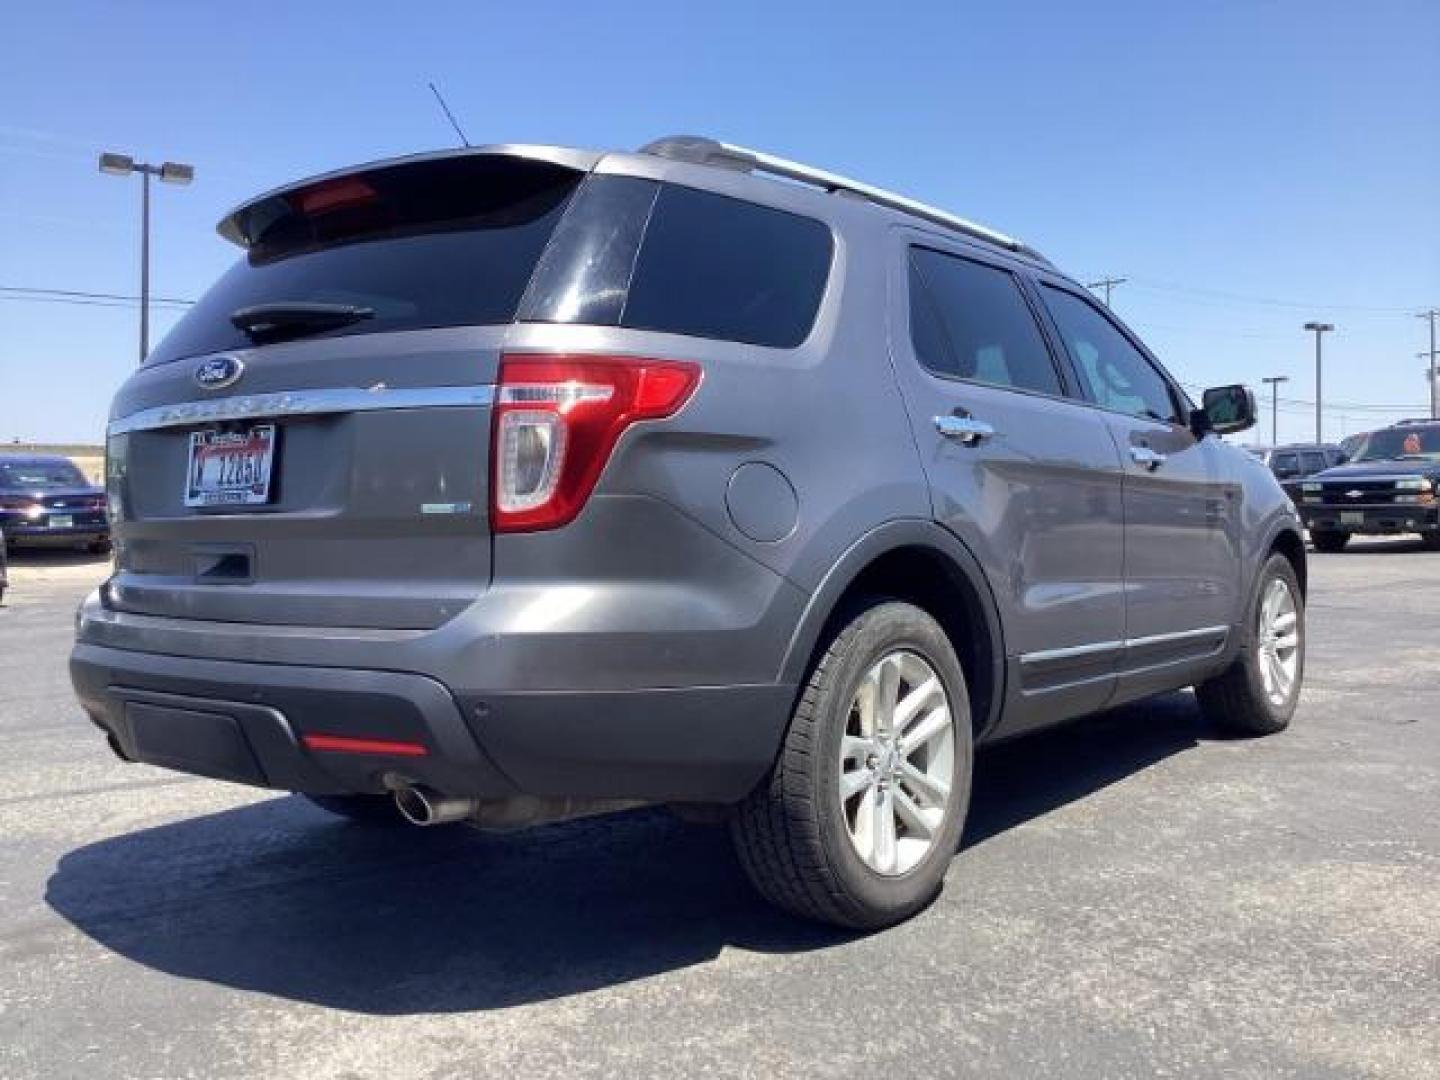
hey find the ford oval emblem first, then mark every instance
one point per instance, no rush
(219, 372)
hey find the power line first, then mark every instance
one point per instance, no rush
(16, 292)
(1334, 407)
(1155, 284)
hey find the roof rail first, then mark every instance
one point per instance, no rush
(702, 151)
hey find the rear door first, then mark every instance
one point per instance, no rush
(1181, 500)
(329, 466)
(1026, 476)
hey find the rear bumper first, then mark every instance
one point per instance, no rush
(1374, 520)
(247, 722)
(18, 535)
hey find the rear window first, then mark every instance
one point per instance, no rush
(29, 475)
(450, 242)
(648, 256)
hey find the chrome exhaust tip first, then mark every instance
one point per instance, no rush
(421, 806)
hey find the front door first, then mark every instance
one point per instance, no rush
(1181, 502)
(1026, 475)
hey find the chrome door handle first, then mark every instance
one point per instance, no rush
(965, 429)
(1146, 458)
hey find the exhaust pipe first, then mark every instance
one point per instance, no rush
(421, 806)
(426, 806)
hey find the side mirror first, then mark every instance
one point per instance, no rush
(1225, 410)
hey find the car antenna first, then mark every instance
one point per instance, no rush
(449, 115)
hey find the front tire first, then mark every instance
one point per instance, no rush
(1329, 542)
(1258, 692)
(863, 809)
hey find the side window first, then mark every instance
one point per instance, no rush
(1284, 465)
(1314, 461)
(970, 321)
(1115, 373)
(715, 267)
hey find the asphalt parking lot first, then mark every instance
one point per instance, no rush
(1136, 896)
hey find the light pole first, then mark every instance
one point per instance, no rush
(1274, 382)
(169, 172)
(1318, 328)
(1432, 315)
(1106, 283)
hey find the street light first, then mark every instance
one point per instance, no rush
(169, 172)
(1275, 381)
(1318, 328)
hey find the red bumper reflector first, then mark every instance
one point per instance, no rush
(344, 744)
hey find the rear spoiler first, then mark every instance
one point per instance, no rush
(244, 223)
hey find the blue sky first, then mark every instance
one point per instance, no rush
(1248, 166)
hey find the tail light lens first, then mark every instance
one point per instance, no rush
(557, 418)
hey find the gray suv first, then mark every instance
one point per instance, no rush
(514, 484)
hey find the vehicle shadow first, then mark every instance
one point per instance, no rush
(280, 898)
(44, 558)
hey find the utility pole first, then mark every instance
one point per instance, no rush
(1432, 315)
(1107, 284)
(1274, 382)
(170, 173)
(1319, 329)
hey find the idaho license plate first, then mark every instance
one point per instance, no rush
(230, 468)
(1352, 517)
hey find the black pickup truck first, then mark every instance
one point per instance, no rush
(1388, 487)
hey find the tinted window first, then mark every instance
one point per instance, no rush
(717, 267)
(1285, 465)
(34, 475)
(970, 321)
(1115, 373)
(1313, 461)
(440, 243)
(1398, 442)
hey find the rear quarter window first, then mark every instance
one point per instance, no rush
(716, 267)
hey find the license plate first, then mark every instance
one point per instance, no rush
(230, 468)
(61, 521)
(1352, 517)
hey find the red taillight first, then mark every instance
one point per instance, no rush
(345, 744)
(557, 418)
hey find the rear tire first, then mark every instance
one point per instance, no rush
(1432, 540)
(373, 810)
(1329, 542)
(1258, 692)
(863, 809)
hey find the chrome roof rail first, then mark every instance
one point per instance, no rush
(702, 151)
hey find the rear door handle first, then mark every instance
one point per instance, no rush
(1146, 458)
(965, 429)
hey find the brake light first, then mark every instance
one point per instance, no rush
(346, 744)
(557, 419)
(333, 195)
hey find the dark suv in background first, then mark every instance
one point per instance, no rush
(46, 501)
(1388, 487)
(519, 483)
(1292, 463)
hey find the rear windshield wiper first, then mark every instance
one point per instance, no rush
(296, 318)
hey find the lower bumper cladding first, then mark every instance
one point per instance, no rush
(345, 731)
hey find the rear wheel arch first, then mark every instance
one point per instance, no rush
(920, 563)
